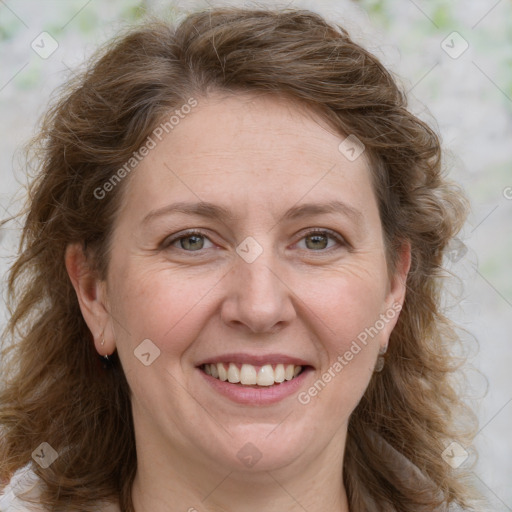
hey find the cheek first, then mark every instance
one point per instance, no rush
(160, 306)
(349, 305)
(347, 301)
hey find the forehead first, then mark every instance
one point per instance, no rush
(253, 147)
(273, 128)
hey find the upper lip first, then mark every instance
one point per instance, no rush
(255, 359)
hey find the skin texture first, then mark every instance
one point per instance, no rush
(256, 156)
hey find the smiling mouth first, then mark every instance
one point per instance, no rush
(250, 375)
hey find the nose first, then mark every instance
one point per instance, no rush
(258, 298)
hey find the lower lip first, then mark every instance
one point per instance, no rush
(263, 395)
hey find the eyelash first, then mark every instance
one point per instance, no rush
(167, 243)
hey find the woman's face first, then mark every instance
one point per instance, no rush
(256, 287)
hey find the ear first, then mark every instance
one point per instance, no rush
(397, 288)
(92, 298)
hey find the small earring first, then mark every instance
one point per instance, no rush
(106, 362)
(380, 360)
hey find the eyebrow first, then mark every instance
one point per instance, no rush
(213, 211)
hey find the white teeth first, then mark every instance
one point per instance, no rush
(233, 374)
(247, 375)
(279, 373)
(266, 376)
(223, 374)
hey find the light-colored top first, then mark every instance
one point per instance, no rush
(25, 483)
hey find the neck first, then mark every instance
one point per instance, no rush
(179, 479)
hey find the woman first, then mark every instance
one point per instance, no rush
(228, 292)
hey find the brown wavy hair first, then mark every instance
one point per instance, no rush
(56, 389)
